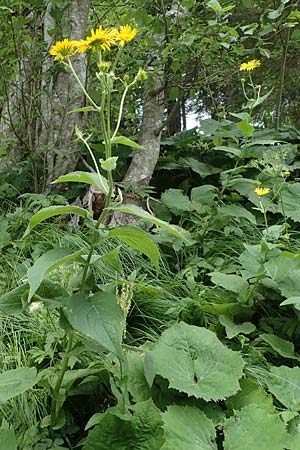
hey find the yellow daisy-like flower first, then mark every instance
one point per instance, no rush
(250, 65)
(262, 191)
(286, 173)
(125, 34)
(63, 49)
(101, 38)
(81, 46)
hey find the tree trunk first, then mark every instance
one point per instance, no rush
(144, 161)
(62, 94)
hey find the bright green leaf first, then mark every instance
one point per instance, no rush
(188, 428)
(126, 141)
(194, 361)
(51, 211)
(281, 346)
(142, 214)
(246, 128)
(284, 383)
(85, 177)
(232, 283)
(16, 381)
(8, 440)
(98, 317)
(138, 240)
(237, 211)
(47, 262)
(176, 201)
(233, 329)
(253, 428)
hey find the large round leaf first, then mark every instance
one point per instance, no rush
(194, 361)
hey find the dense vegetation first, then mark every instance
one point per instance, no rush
(138, 314)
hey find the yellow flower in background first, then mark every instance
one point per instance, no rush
(250, 65)
(81, 46)
(101, 38)
(286, 173)
(125, 34)
(262, 191)
(63, 49)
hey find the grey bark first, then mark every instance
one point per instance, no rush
(62, 94)
(144, 161)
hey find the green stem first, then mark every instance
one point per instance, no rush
(81, 85)
(264, 213)
(120, 111)
(64, 366)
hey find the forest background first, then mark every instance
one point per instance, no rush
(184, 330)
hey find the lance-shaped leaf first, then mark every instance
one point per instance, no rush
(142, 214)
(98, 317)
(126, 141)
(138, 240)
(16, 381)
(85, 177)
(47, 262)
(194, 361)
(51, 211)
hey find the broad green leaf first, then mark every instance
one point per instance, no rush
(202, 169)
(137, 383)
(294, 434)
(233, 329)
(249, 394)
(237, 211)
(109, 164)
(204, 195)
(11, 302)
(16, 381)
(285, 271)
(291, 201)
(253, 428)
(142, 214)
(281, 346)
(284, 383)
(112, 259)
(231, 150)
(138, 240)
(85, 177)
(176, 201)
(8, 440)
(47, 262)
(51, 211)
(188, 428)
(143, 430)
(98, 317)
(246, 128)
(288, 301)
(126, 141)
(194, 361)
(232, 283)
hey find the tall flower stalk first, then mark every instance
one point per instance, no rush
(98, 42)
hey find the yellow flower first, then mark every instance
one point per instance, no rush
(286, 173)
(101, 38)
(125, 34)
(81, 46)
(63, 49)
(250, 65)
(262, 191)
